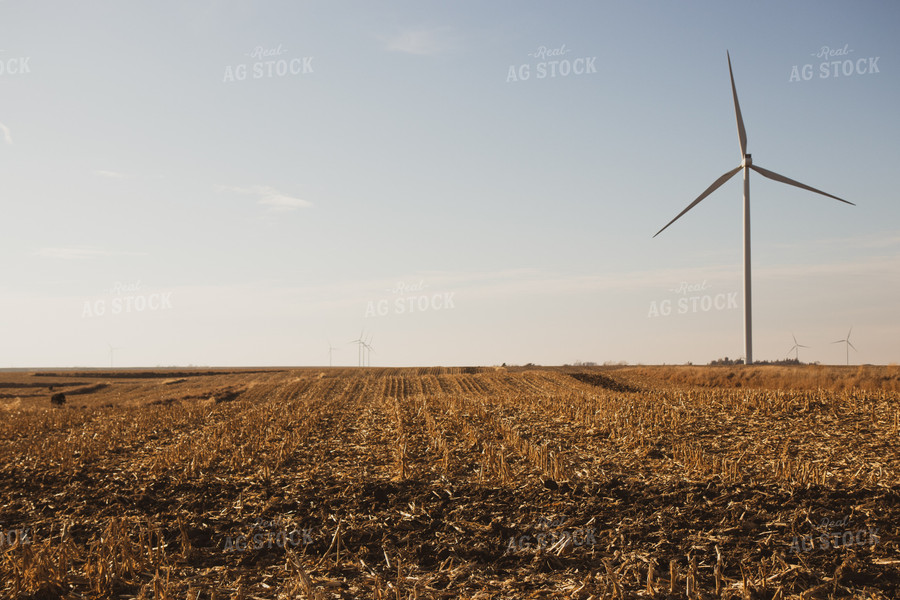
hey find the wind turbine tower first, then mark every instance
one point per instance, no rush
(368, 349)
(846, 341)
(330, 350)
(361, 345)
(796, 348)
(112, 352)
(745, 166)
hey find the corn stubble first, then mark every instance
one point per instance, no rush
(412, 483)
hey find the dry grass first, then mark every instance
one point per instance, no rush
(412, 483)
(802, 377)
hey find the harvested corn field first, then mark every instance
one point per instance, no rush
(444, 483)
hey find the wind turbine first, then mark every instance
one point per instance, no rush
(746, 165)
(370, 349)
(796, 348)
(361, 355)
(112, 351)
(849, 345)
(330, 350)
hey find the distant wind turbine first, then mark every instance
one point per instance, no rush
(746, 165)
(361, 343)
(796, 348)
(368, 348)
(330, 350)
(846, 341)
(112, 352)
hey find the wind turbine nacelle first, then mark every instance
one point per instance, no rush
(748, 160)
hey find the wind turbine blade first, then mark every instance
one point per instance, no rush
(802, 346)
(783, 179)
(742, 133)
(839, 342)
(716, 184)
(848, 333)
(851, 345)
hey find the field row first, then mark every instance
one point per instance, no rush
(440, 483)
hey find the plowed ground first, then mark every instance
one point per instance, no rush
(443, 483)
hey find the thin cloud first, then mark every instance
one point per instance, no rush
(873, 240)
(421, 42)
(884, 242)
(535, 282)
(7, 136)
(269, 196)
(81, 253)
(110, 174)
(881, 268)
(76, 253)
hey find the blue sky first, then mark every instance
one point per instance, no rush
(379, 156)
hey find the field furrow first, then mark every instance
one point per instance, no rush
(446, 483)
